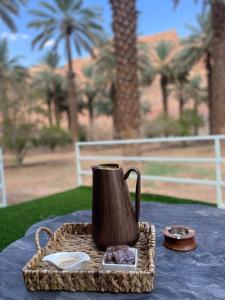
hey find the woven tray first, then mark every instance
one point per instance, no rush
(39, 275)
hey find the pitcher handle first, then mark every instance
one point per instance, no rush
(138, 190)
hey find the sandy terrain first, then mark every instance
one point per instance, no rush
(45, 173)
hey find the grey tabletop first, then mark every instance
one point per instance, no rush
(199, 274)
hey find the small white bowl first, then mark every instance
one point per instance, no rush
(57, 258)
(121, 267)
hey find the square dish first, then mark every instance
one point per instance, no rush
(121, 267)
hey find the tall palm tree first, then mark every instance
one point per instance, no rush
(9, 8)
(162, 67)
(48, 81)
(92, 88)
(127, 83)
(193, 90)
(179, 80)
(198, 46)
(217, 46)
(67, 22)
(10, 72)
(106, 70)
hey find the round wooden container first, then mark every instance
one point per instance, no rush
(179, 238)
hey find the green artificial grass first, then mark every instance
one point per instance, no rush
(174, 169)
(16, 219)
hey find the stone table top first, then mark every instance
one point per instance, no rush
(199, 274)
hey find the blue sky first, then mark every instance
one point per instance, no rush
(154, 16)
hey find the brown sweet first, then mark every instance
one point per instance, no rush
(120, 254)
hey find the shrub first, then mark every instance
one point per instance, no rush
(54, 136)
(161, 126)
(18, 138)
(190, 122)
(82, 133)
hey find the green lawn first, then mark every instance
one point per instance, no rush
(16, 219)
(177, 169)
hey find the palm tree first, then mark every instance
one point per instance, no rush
(127, 83)
(95, 93)
(67, 22)
(198, 46)
(179, 80)
(162, 67)
(194, 91)
(92, 88)
(10, 73)
(9, 8)
(106, 71)
(217, 79)
(47, 82)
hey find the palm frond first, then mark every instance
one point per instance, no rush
(7, 19)
(8, 8)
(40, 37)
(64, 6)
(57, 20)
(39, 13)
(197, 44)
(205, 2)
(51, 59)
(48, 6)
(10, 69)
(163, 49)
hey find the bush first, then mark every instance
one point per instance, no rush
(82, 133)
(190, 122)
(18, 138)
(54, 136)
(161, 126)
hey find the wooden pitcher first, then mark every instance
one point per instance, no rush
(114, 220)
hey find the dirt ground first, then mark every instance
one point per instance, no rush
(45, 172)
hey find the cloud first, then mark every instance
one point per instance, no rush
(49, 43)
(14, 36)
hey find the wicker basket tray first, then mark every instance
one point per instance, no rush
(40, 275)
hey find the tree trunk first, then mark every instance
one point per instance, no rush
(127, 93)
(196, 127)
(91, 116)
(68, 118)
(181, 100)
(163, 83)
(114, 111)
(56, 110)
(217, 103)
(208, 64)
(72, 97)
(49, 113)
(5, 109)
(181, 107)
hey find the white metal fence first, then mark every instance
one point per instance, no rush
(2, 182)
(217, 160)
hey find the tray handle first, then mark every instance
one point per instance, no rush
(37, 236)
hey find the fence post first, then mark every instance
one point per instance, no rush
(219, 196)
(77, 155)
(2, 182)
